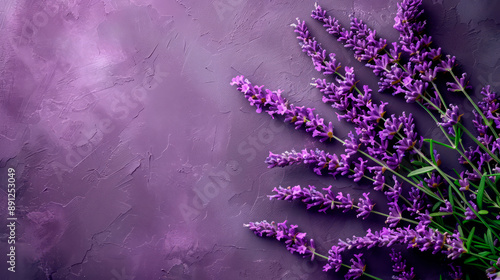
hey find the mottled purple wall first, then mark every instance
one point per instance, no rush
(134, 157)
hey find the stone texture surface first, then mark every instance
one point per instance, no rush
(135, 158)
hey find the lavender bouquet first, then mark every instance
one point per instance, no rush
(455, 214)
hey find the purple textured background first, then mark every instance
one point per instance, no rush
(134, 157)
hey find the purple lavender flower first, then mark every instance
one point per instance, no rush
(276, 104)
(334, 259)
(492, 273)
(392, 126)
(488, 104)
(416, 198)
(424, 217)
(357, 267)
(455, 246)
(469, 214)
(359, 169)
(434, 181)
(408, 142)
(325, 133)
(447, 64)
(456, 272)
(451, 118)
(399, 267)
(332, 25)
(427, 71)
(284, 159)
(416, 89)
(460, 85)
(394, 192)
(346, 202)
(390, 79)
(375, 112)
(319, 159)
(295, 241)
(447, 207)
(365, 206)
(406, 20)
(421, 237)
(393, 161)
(437, 157)
(351, 144)
(379, 180)
(435, 102)
(463, 182)
(478, 122)
(395, 214)
(308, 195)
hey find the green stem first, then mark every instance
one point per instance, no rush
(432, 104)
(388, 186)
(397, 61)
(384, 166)
(428, 192)
(436, 121)
(439, 94)
(481, 257)
(485, 120)
(478, 143)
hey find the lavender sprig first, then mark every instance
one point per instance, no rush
(275, 104)
(421, 237)
(399, 267)
(294, 240)
(326, 201)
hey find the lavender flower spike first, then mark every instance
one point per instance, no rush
(325, 201)
(421, 237)
(399, 267)
(334, 259)
(357, 267)
(469, 214)
(275, 104)
(295, 241)
(365, 206)
(451, 118)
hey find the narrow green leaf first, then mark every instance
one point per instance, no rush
(479, 246)
(439, 143)
(450, 191)
(458, 135)
(439, 214)
(420, 171)
(431, 148)
(489, 241)
(418, 163)
(471, 259)
(480, 191)
(438, 219)
(484, 254)
(436, 206)
(469, 239)
(461, 232)
(482, 212)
